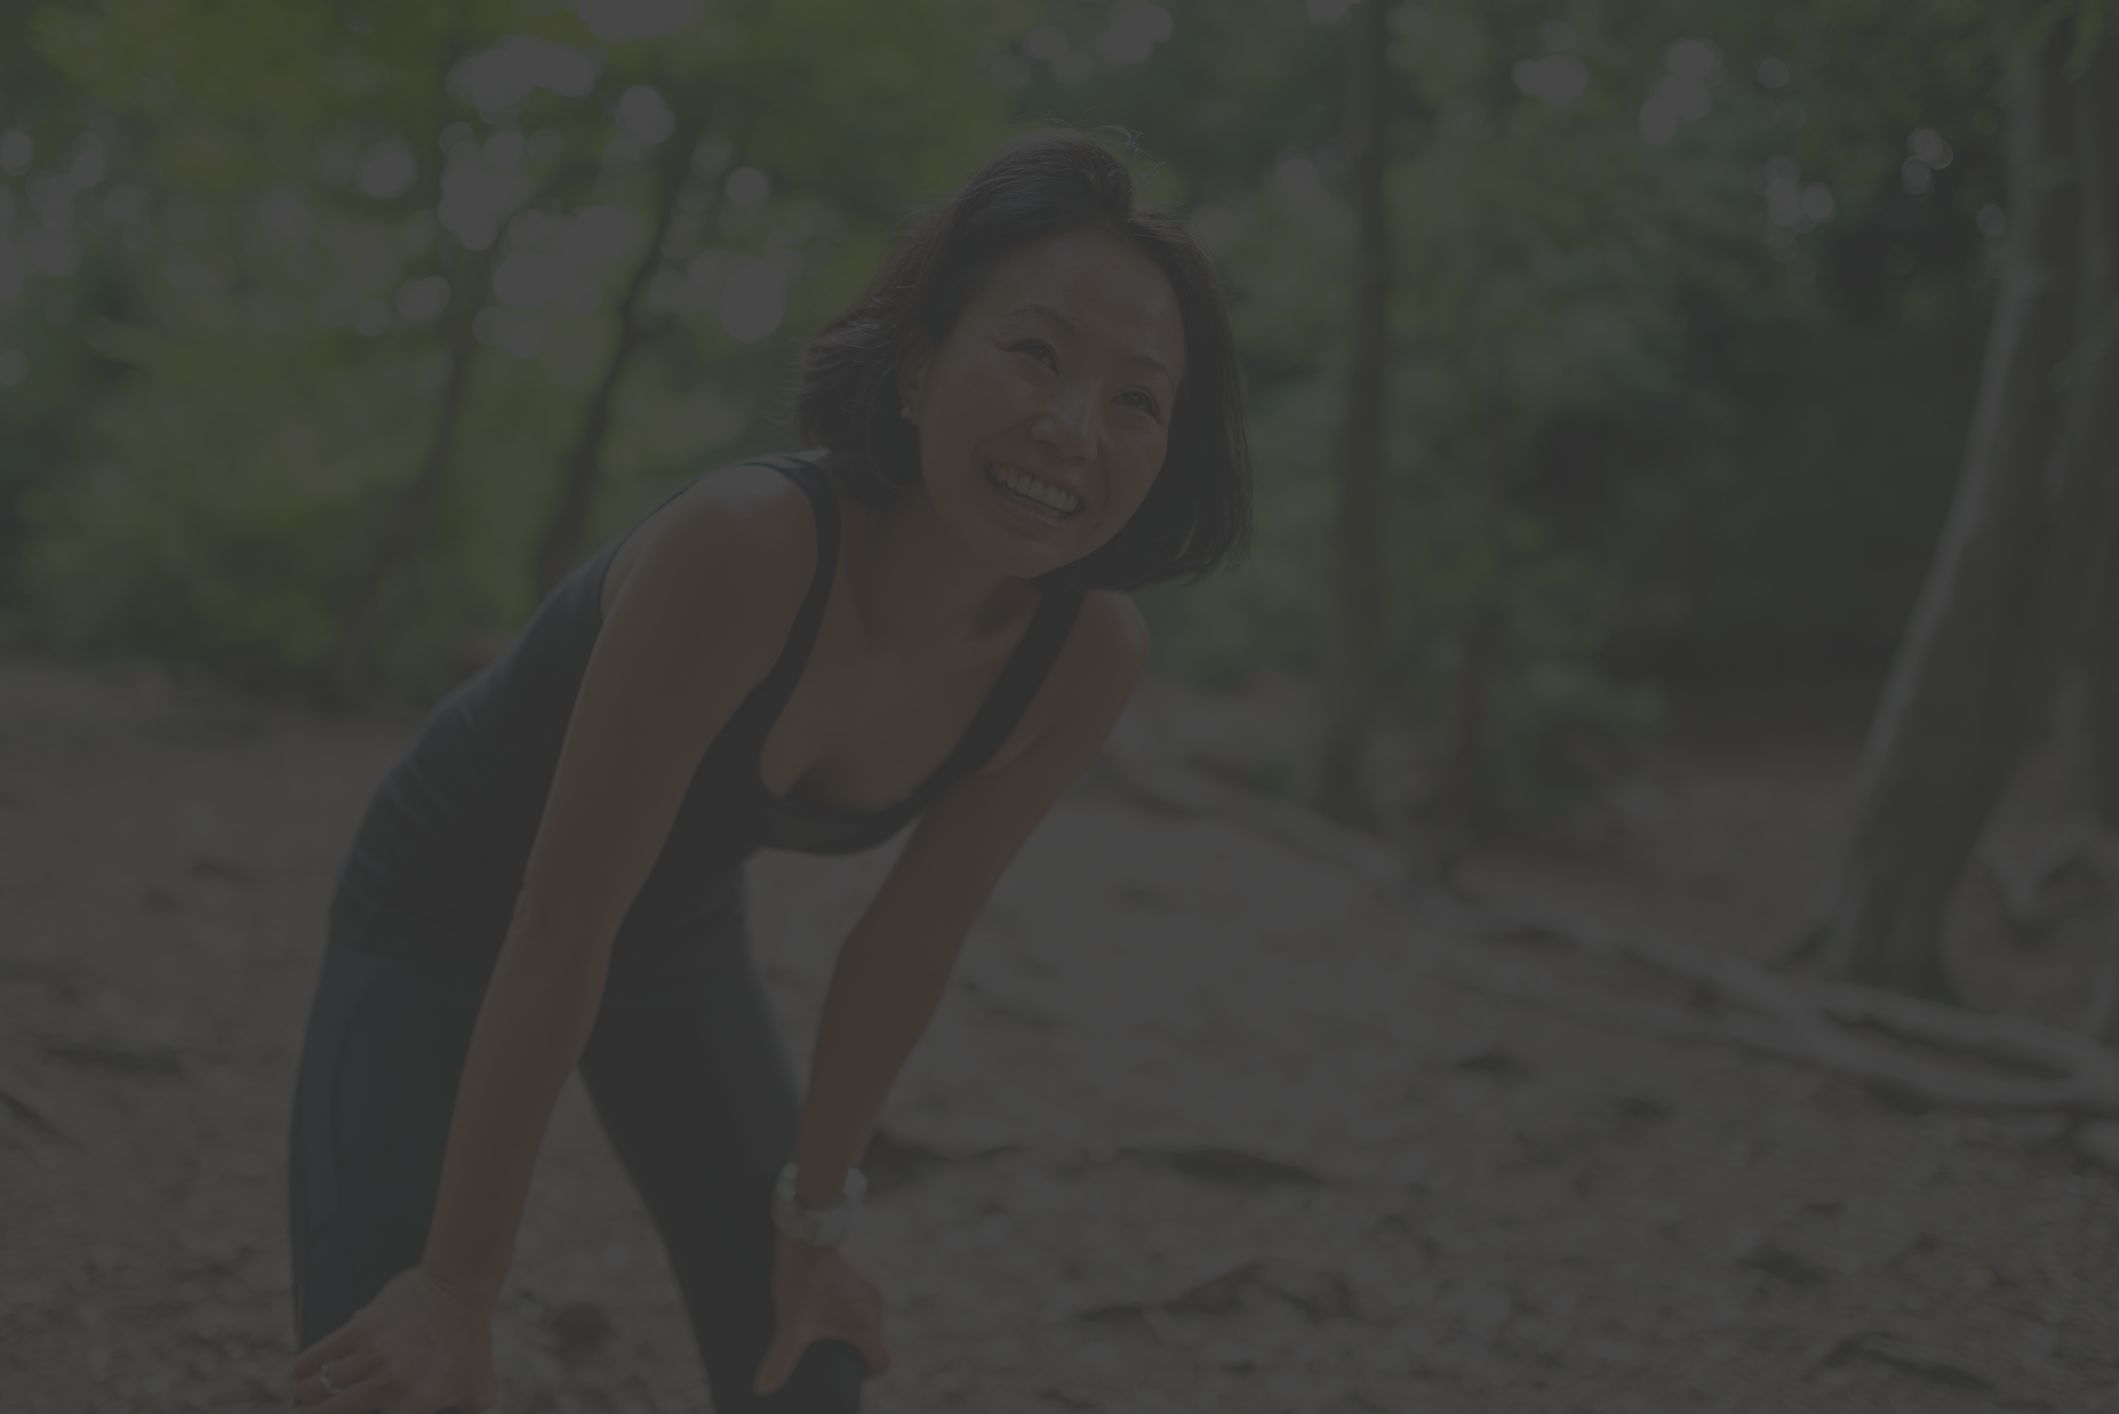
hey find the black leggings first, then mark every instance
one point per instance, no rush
(690, 1081)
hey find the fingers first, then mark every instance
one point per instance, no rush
(365, 1380)
(868, 1338)
(346, 1371)
(387, 1387)
(792, 1335)
(384, 1389)
(401, 1354)
(335, 1346)
(379, 1393)
(774, 1369)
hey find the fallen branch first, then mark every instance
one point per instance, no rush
(31, 1116)
(2005, 1040)
(1903, 1079)
(1905, 1355)
(1833, 1025)
(1859, 1032)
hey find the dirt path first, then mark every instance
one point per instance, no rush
(1195, 1132)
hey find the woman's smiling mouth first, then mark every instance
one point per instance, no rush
(1040, 498)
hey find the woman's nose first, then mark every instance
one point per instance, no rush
(1068, 424)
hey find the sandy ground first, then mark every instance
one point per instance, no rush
(1197, 1130)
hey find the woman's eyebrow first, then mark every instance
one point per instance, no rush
(1143, 357)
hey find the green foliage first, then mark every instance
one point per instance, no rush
(1634, 420)
(278, 347)
(203, 523)
(1502, 633)
(1225, 629)
(1641, 421)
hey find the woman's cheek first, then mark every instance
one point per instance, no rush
(1138, 488)
(998, 388)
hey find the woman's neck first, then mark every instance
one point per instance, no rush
(917, 592)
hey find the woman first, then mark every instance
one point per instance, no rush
(1034, 409)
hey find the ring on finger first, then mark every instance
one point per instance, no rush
(324, 1374)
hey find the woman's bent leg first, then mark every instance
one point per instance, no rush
(695, 1089)
(374, 1096)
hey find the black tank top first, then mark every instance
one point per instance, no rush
(438, 857)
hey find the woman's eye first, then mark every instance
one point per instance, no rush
(1147, 403)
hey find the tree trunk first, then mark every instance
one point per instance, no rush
(405, 524)
(1343, 792)
(566, 530)
(2099, 641)
(2101, 694)
(409, 522)
(1458, 807)
(1949, 727)
(2013, 601)
(2091, 495)
(2089, 491)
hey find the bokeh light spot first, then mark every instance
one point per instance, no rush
(748, 186)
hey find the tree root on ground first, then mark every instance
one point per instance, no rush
(1913, 1053)
(30, 1114)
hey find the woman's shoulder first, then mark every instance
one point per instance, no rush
(758, 495)
(1091, 678)
(1105, 651)
(1117, 632)
(740, 527)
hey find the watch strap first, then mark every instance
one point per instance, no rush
(818, 1227)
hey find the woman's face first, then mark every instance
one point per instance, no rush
(1059, 377)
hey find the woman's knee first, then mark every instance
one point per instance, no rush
(826, 1380)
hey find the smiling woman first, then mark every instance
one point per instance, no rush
(1096, 443)
(1041, 291)
(920, 620)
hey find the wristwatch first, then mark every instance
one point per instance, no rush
(819, 1227)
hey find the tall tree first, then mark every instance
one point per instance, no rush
(2092, 494)
(874, 138)
(566, 531)
(2009, 593)
(2101, 692)
(1342, 789)
(408, 522)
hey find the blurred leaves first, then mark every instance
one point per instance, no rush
(1682, 338)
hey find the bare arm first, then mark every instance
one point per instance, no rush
(895, 963)
(694, 626)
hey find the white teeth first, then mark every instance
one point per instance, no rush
(1057, 497)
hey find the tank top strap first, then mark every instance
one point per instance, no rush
(1018, 684)
(779, 684)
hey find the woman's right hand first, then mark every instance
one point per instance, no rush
(418, 1348)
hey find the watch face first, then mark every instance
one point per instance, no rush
(820, 1227)
(814, 1231)
(817, 1228)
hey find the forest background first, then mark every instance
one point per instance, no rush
(1683, 447)
(1612, 369)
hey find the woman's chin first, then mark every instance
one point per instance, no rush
(1042, 557)
(1019, 550)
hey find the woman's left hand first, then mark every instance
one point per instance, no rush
(819, 1294)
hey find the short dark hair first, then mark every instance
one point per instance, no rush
(1196, 518)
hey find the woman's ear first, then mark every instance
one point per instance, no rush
(912, 376)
